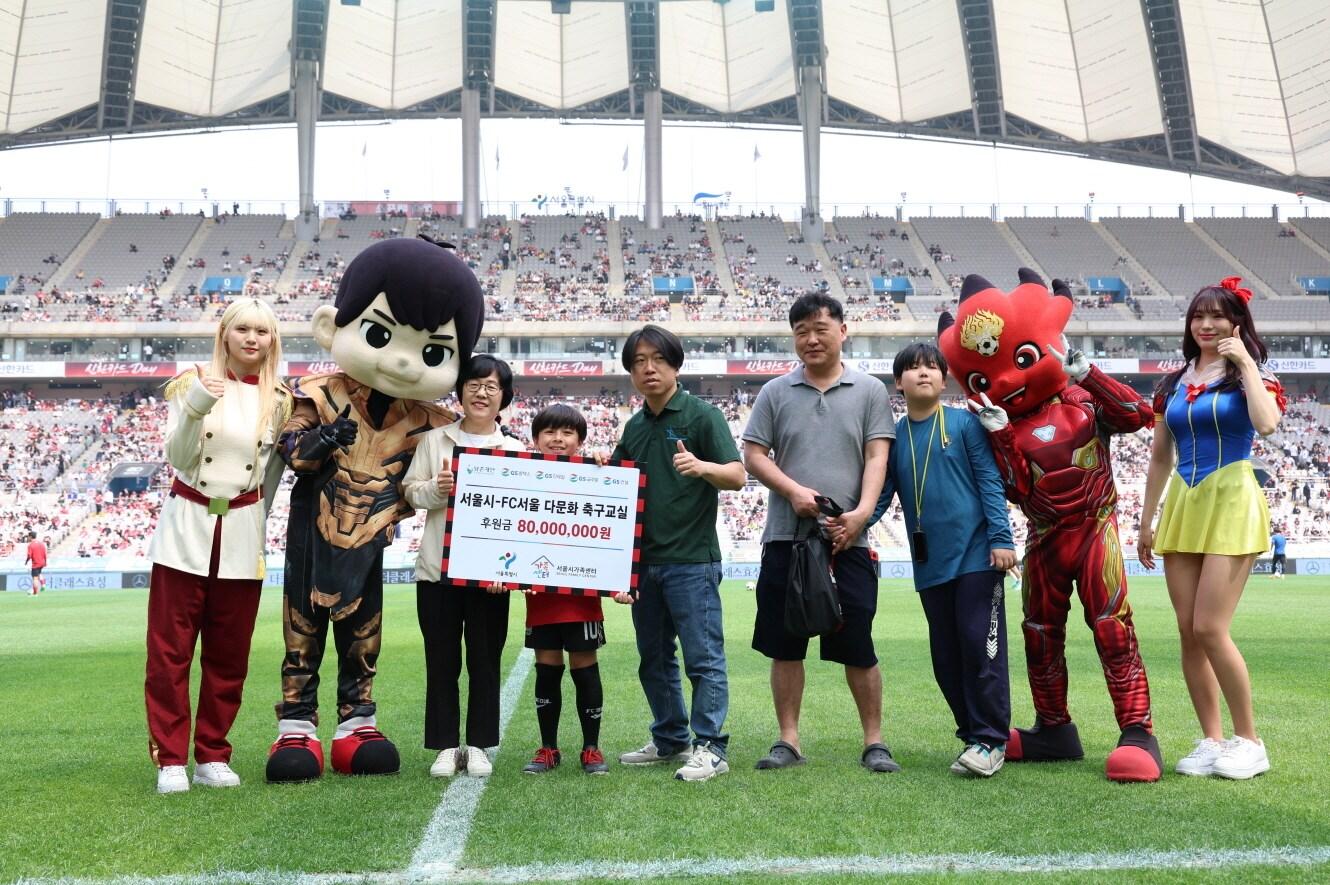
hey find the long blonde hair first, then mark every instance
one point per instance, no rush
(256, 313)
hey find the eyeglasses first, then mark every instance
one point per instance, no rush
(487, 387)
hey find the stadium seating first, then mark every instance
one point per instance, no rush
(51, 516)
(1069, 248)
(154, 236)
(229, 240)
(40, 439)
(30, 240)
(1275, 259)
(1317, 229)
(866, 247)
(682, 246)
(975, 246)
(1175, 256)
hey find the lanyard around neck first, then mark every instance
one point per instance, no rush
(939, 421)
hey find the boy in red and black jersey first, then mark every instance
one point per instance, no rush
(556, 623)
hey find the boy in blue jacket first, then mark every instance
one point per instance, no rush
(951, 494)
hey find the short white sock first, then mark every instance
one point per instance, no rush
(296, 726)
(350, 725)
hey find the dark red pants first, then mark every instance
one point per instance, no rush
(181, 607)
(1090, 556)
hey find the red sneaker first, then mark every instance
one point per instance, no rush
(365, 751)
(546, 759)
(295, 757)
(593, 761)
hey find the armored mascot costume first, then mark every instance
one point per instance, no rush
(1049, 414)
(407, 314)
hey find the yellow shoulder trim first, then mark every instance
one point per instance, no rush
(285, 407)
(176, 386)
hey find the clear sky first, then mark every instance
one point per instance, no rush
(421, 160)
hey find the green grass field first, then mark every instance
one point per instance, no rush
(74, 760)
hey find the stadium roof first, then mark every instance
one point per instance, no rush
(1234, 88)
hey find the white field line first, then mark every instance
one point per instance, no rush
(903, 864)
(862, 865)
(445, 837)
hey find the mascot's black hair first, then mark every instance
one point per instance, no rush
(425, 283)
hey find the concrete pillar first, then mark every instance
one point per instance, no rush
(307, 117)
(651, 122)
(810, 112)
(470, 159)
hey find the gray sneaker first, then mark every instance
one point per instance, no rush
(957, 767)
(982, 759)
(650, 755)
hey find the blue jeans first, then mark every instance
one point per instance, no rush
(682, 600)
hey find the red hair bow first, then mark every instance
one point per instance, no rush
(1231, 284)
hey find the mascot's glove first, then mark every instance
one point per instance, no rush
(993, 418)
(1073, 363)
(340, 434)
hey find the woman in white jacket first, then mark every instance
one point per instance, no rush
(208, 550)
(448, 613)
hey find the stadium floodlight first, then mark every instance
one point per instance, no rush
(561, 7)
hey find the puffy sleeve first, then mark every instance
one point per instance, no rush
(1276, 389)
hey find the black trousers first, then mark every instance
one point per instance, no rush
(967, 635)
(449, 614)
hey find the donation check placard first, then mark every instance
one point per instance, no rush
(553, 523)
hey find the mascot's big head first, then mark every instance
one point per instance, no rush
(407, 314)
(997, 344)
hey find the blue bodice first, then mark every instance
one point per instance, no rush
(1210, 433)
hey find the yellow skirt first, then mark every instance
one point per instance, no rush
(1224, 513)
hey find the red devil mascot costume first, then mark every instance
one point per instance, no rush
(1049, 414)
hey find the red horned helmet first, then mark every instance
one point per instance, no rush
(997, 344)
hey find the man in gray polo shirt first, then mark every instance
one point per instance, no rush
(821, 430)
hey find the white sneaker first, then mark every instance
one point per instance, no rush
(1200, 762)
(447, 762)
(702, 765)
(649, 754)
(1242, 759)
(215, 774)
(982, 760)
(478, 762)
(172, 779)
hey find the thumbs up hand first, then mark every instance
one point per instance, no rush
(1233, 350)
(686, 462)
(341, 433)
(444, 481)
(215, 386)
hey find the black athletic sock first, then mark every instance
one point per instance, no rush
(549, 702)
(590, 699)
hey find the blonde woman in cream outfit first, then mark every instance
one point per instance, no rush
(208, 550)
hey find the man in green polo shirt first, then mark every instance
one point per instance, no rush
(686, 449)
